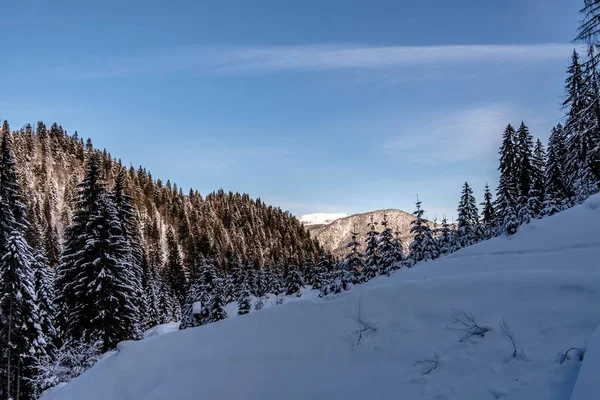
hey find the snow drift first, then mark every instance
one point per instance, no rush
(544, 282)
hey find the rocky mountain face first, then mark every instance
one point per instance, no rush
(334, 236)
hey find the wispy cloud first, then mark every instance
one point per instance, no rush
(254, 60)
(460, 135)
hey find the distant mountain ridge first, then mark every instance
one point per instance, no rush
(320, 218)
(334, 236)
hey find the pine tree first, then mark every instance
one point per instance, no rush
(372, 257)
(399, 256)
(127, 216)
(206, 289)
(174, 273)
(444, 237)
(324, 268)
(43, 283)
(353, 262)
(309, 270)
(387, 248)
(468, 217)
(511, 221)
(9, 182)
(260, 284)
(243, 301)
(21, 337)
(150, 308)
(419, 244)
(580, 131)
(488, 213)
(590, 26)
(217, 303)
(237, 278)
(96, 291)
(189, 318)
(537, 195)
(507, 191)
(277, 281)
(293, 281)
(525, 167)
(556, 186)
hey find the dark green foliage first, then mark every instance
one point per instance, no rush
(173, 269)
(293, 281)
(96, 297)
(372, 256)
(468, 217)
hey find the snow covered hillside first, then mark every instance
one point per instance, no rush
(320, 218)
(544, 282)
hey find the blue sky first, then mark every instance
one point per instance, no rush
(315, 106)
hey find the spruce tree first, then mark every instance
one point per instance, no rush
(511, 221)
(353, 262)
(174, 273)
(207, 287)
(372, 257)
(243, 300)
(525, 167)
(96, 290)
(21, 337)
(488, 213)
(580, 130)
(189, 318)
(150, 309)
(537, 195)
(399, 256)
(217, 303)
(420, 230)
(386, 248)
(468, 217)
(556, 187)
(309, 270)
(127, 216)
(293, 281)
(589, 29)
(21, 332)
(43, 284)
(9, 182)
(444, 237)
(507, 191)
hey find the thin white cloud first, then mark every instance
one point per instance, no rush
(461, 135)
(252, 60)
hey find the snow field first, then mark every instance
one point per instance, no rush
(544, 281)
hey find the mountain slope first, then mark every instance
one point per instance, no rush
(225, 226)
(320, 218)
(544, 281)
(334, 236)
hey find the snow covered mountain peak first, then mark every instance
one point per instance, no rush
(320, 218)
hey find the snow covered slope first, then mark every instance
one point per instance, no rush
(320, 218)
(544, 281)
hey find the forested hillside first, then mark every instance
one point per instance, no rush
(224, 226)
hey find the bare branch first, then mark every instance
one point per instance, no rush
(467, 323)
(562, 357)
(505, 328)
(426, 366)
(360, 318)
